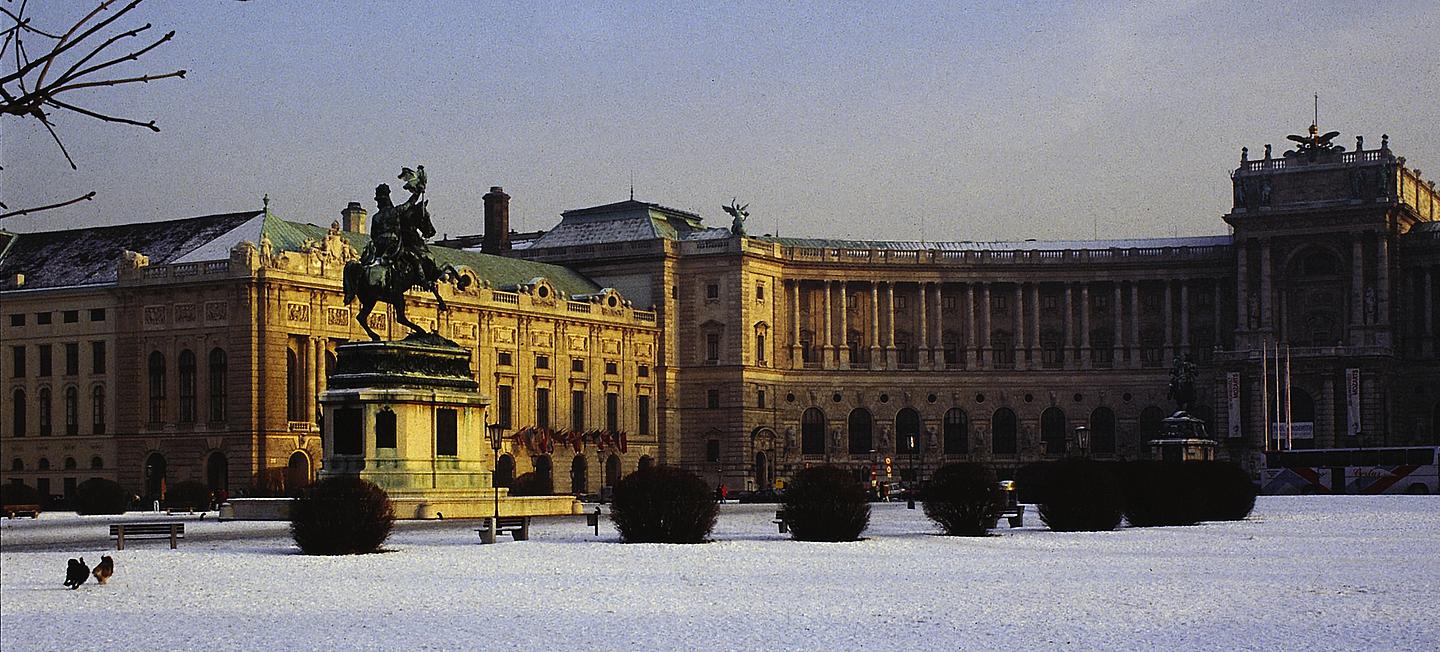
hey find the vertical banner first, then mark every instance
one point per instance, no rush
(1352, 401)
(1232, 394)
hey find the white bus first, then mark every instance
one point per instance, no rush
(1399, 470)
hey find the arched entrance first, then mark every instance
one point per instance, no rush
(761, 471)
(1002, 432)
(217, 472)
(545, 472)
(504, 471)
(907, 431)
(297, 472)
(957, 432)
(812, 432)
(861, 442)
(155, 477)
(1052, 430)
(1102, 431)
(579, 468)
(645, 462)
(612, 470)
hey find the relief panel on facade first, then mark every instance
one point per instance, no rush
(297, 312)
(579, 343)
(185, 313)
(337, 316)
(156, 316)
(216, 311)
(542, 339)
(503, 335)
(610, 347)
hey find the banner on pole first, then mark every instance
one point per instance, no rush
(1352, 401)
(1232, 394)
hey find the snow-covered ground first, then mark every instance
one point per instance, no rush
(1332, 573)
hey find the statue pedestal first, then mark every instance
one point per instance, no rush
(409, 417)
(1183, 439)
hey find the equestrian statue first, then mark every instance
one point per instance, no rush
(396, 259)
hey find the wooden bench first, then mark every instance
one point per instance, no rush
(517, 526)
(33, 511)
(171, 530)
(780, 520)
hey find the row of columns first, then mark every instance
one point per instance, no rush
(929, 324)
(1256, 309)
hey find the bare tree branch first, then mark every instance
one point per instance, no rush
(100, 116)
(88, 196)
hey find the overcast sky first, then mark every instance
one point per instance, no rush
(870, 120)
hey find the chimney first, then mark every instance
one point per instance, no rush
(497, 222)
(352, 219)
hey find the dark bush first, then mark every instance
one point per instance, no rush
(1230, 493)
(15, 493)
(1080, 496)
(1030, 482)
(341, 516)
(663, 504)
(825, 503)
(101, 496)
(961, 499)
(532, 484)
(1185, 493)
(188, 495)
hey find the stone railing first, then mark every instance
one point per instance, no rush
(1006, 256)
(1346, 158)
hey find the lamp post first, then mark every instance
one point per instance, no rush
(1082, 440)
(496, 431)
(914, 478)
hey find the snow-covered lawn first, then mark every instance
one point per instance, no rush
(1332, 573)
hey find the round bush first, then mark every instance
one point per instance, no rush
(188, 495)
(101, 496)
(1081, 496)
(14, 493)
(341, 516)
(1230, 493)
(1161, 493)
(663, 504)
(961, 499)
(826, 503)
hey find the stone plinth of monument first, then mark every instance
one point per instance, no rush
(408, 416)
(1183, 439)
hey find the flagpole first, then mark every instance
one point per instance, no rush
(1279, 399)
(1289, 423)
(1265, 388)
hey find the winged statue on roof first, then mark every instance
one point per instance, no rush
(737, 225)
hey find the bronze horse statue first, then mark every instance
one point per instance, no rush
(396, 260)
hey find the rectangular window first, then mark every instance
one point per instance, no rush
(447, 431)
(712, 450)
(644, 410)
(72, 358)
(611, 368)
(577, 410)
(348, 432)
(612, 412)
(542, 362)
(42, 318)
(45, 360)
(947, 303)
(542, 407)
(385, 429)
(643, 371)
(712, 347)
(759, 292)
(506, 404)
(502, 358)
(17, 319)
(70, 316)
(577, 364)
(97, 357)
(17, 362)
(1050, 301)
(999, 303)
(760, 399)
(97, 314)
(1102, 302)
(760, 347)
(899, 303)
(1152, 302)
(712, 291)
(712, 398)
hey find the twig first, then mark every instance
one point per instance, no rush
(100, 116)
(129, 57)
(102, 46)
(88, 196)
(144, 79)
(48, 127)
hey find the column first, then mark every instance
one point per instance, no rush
(1118, 345)
(1135, 324)
(1266, 323)
(1382, 278)
(890, 357)
(844, 347)
(1242, 288)
(797, 359)
(984, 327)
(1068, 355)
(939, 325)
(1169, 322)
(309, 371)
(1219, 322)
(1357, 284)
(1085, 325)
(1035, 357)
(1019, 319)
(876, 360)
(971, 340)
(1184, 317)
(827, 355)
(922, 348)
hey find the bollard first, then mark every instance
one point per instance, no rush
(593, 520)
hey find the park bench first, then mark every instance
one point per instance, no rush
(171, 530)
(518, 527)
(33, 511)
(780, 520)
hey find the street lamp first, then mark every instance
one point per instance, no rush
(914, 478)
(1082, 440)
(496, 431)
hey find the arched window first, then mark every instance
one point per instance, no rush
(505, 471)
(45, 414)
(157, 387)
(579, 474)
(96, 463)
(217, 374)
(646, 462)
(907, 431)
(72, 411)
(70, 464)
(217, 472)
(186, 365)
(155, 470)
(17, 464)
(957, 432)
(1149, 427)
(612, 470)
(545, 471)
(812, 432)
(297, 472)
(761, 470)
(861, 441)
(1102, 431)
(1002, 432)
(1052, 430)
(43, 464)
(17, 412)
(293, 383)
(97, 409)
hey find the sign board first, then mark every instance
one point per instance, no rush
(1352, 401)
(1302, 430)
(1232, 395)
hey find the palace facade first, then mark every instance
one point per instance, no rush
(195, 349)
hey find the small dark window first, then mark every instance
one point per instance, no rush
(70, 316)
(17, 320)
(17, 361)
(42, 318)
(447, 441)
(45, 360)
(542, 362)
(712, 347)
(759, 291)
(760, 398)
(72, 358)
(348, 432)
(97, 314)
(712, 398)
(542, 407)
(506, 404)
(644, 410)
(712, 291)
(611, 368)
(712, 450)
(643, 371)
(576, 364)
(97, 357)
(385, 429)
(502, 358)
(577, 410)
(612, 412)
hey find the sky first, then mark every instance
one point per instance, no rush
(867, 120)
